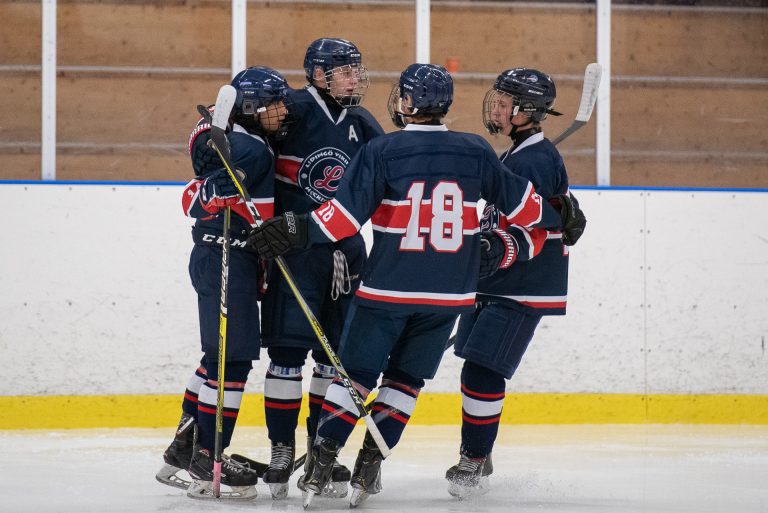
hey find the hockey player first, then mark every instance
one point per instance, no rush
(511, 302)
(330, 128)
(419, 187)
(259, 112)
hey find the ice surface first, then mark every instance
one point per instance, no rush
(538, 468)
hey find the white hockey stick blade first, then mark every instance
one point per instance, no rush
(225, 101)
(376, 435)
(592, 76)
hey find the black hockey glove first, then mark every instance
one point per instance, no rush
(279, 235)
(498, 250)
(573, 219)
(218, 192)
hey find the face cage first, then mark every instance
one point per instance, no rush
(340, 74)
(250, 109)
(395, 107)
(490, 100)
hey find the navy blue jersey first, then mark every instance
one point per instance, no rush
(538, 285)
(250, 154)
(317, 150)
(420, 188)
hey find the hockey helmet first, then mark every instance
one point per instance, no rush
(341, 62)
(532, 92)
(258, 88)
(429, 89)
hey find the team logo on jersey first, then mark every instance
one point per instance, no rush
(490, 219)
(320, 173)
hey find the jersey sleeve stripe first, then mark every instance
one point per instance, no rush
(335, 221)
(529, 210)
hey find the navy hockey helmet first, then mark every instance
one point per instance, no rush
(532, 92)
(346, 79)
(258, 88)
(425, 88)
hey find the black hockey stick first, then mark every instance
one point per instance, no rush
(220, 144)
(588, 98)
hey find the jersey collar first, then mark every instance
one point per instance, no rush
(425, 128)
(323, 106)
(535, 138)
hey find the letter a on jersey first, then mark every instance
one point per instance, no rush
(353, 134)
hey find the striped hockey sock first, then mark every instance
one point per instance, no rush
(206, 407)
(322, 376)
(189, 404)
(282, 402)
(482, 399)
(339, 414)
(393, 408)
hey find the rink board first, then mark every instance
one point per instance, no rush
(666, 315)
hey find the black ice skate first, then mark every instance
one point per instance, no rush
(178, 455)
(320, 470)
(337, 488)
(280, 469)
(366, 478)
(469, 476)
(240, 478)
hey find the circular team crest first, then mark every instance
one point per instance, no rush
(320, 173)
(490, 218)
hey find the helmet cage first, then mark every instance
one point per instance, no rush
(339, 79)
(395, 107)
(492, 102)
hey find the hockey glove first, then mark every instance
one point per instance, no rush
(498, 250)
(279, 235)
(573, 219)
(218, 192)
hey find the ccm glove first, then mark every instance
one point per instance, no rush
(498, 250)
(218, 192)
(573, 219)
(279, 235)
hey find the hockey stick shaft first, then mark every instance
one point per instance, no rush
(217, 450)
(592, 75)
(220, 145)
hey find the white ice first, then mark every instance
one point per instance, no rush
(538, 468)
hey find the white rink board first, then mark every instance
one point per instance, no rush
(669, 294)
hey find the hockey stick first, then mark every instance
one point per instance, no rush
(224, 108)
(220, 144)
(588, 98)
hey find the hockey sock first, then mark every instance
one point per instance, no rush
(392, 409)
(482, 399)
(282, 402)
(189, 404)
(339, 413)
(322, 376)
(236, 376)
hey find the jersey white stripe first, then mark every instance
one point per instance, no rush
(337, 394)
(282, 389)
(417, 295)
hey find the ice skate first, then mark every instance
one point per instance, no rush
(320, 470)
(337, 488)
(366, 478)
(469, 477)
(239, 478)
(178, 455)
(280, 469)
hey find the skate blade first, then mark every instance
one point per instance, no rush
(167, 476)
(358, 497)
(279, 491)
(308, 496)
(462, 492)
(203, 490)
